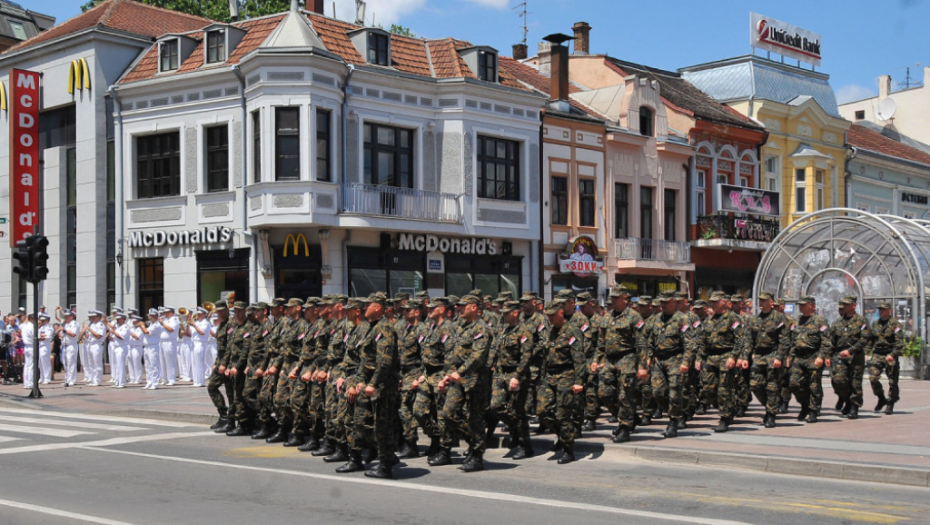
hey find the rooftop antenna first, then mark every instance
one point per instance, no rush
(908, 81)
(523, 12)
(359, 12)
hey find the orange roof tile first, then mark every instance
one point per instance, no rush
(124, 15)
(863, 138)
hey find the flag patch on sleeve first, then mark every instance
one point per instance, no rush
(640, 324)
(572, 340)
(735, 326)
(584, 327)
(523, 339)
(478, 336)
(823, 328)
(444, 338)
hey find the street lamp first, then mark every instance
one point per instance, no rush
(119, 256)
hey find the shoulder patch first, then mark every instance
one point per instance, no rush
(863, 326)
(780, 325)
(346, 338)
(229, 331)
(301, 336)
(823, 328)
(247, 334)
(264, 333)
(444, 337)
(378, 336)
(524, 338)
(316, 334)
(540, 329)
(898, 329)
(420, 339)
(734, 326)
(685, 328)
(572, 340)
(792, 327)
(640, 324)
(584, 327)
(696, 324)
(480, 334)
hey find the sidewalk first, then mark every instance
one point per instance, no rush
(889, 449)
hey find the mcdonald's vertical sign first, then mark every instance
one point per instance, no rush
(296, 240)
(24, 154)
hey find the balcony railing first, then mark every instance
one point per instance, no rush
(403, 203)
(739, 229)
(674, 252)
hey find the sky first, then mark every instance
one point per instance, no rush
(862, 39)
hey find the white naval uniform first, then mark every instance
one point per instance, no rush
(120, 346)
(28, 335)
(199, 354)
(169, 350)
(94, 364)
(151, 345)
(69, 351)
(45, 353)
(134, 359)
(184, 356)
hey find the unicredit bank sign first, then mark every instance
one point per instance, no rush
(785, 39)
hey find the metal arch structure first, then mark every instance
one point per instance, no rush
(842, 251)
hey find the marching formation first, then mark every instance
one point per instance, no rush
(354, 379)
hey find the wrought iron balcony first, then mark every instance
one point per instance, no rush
(672, 252)
(401, 203)
(739, 229)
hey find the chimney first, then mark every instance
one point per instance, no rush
(316, 6)
(582, 38)
(545, 57)
(884, 86)
(558, 74)
(519, 51)
(294, 6)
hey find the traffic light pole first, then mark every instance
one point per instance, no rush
(36, 393)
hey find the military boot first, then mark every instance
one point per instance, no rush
(841, 404)
(353, 465)
(475, 463)
(220, 423)
(382, 471)
(890, 408)
(847, 408)
(525, 450)
(341, 454)
(723, 426)
(311, 444)
(882, 401)
(278, 437)
(769, 421)
(646, 419)
(622, 436)
(682, 423)
(441, 458)
(434, 445)
(671, 431)
(568, 456)
(262, 432)
(409, 451)
(812, 417)
(740, 411)
(325, 449)
(853, 412)
(802, 415)
(230, 426)
(240, 430)
(783, 407)
(700, 410)
(589, 426)
(368, 455)
(295, 440)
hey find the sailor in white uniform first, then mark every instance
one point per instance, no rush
(94, 336)
(45, 336)
(151, 347)
(169, 345)
(68, 333)
(136, 344)
(27, 332)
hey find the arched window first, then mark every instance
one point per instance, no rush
(646, 127)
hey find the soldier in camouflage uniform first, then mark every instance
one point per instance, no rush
(440, 341)
(349, 449)
(218, 374)
(465, 384)
(269, 373)
(377, 380)
(510, 361)
(400, 318)
(702, 312)
(692, 382)
(290, 342)
(317, 387)
(323, 392)
(618, 361)
(724, 339)
(591, 327)
(742, 375)
(768, 343)
(536, 323)
(563, 379)
(409, 339)
(784, 375)
(671, 350)
(886, 347)
(261, 329)
(300, 389)
(811, 348)
(361, 426)
(237, 353)
(850, 337)
(651, 309)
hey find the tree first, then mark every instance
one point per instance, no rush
(402, 31)
(214, 9)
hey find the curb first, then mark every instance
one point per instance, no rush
(197, 419)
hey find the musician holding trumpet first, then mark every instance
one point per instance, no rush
(94, 335)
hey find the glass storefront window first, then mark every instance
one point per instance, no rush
(366, 282)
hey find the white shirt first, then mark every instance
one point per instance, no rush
(49, 334)
(96, 328)
(123, 332)
(133, 342)
(72, 327)
(154, 335)
(171, 336)
(27, 333)
(204, 327)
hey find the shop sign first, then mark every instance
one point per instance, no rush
(296, 240)
(581, 257)
(211, 235)
(785, 39)
(24, 154)
(434, 265)
(739, 199)
(914, 198)
(433, 243)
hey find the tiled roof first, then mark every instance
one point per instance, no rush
(531, 77)
(866, 139)
(123, 15)
(683, 94)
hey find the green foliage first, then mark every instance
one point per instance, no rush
(402, 31)
(214, 9)
(709, 234)
(912, 347)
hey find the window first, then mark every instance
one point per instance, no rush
(151, 278)
(701, 195)
(257, 146)
(744, 181)
(168, 55)
(860, 115)
(800, 190)
(217, 158)
(71, 225)
(490, 274)
(287, 144)
(216, 46)
(388, 156)
(723, 178)
(323, 169)
(560, 200)
(158, 165)
(881, 211)
(57, 127)
(645, 121)
(19, 31)
(498, 169)
(378, 49)
(772, 170)
(586, 202)
(621, 210)
(670, 223)
(862, 207)
(645, 220)
(820, 190)
(487, 66)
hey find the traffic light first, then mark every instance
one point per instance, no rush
(23, 257)
(40, 258)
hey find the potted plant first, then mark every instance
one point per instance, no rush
(910, 357)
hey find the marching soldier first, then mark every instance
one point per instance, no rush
(563, 379)
(268, 372)
(886, 346)
(254, 371)
(413, 334)
(784, 376)
(647, 403)
(743, 375)
(439, 343)
(768, 342)
(724, 339)
(536, 323)
(290, 342)
(811, 348)
(237, 355)
(510, 360)
(692, 382)
(591, 327)
(850, 338)
(670, 350)
(329, 358)
(346, 372)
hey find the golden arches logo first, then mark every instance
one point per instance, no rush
(2, 96)
(78, 76)
(296, 239)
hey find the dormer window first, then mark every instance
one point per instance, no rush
(378, 49)
(646, 119)
(216, 46)
(487, 66)
(168, 56)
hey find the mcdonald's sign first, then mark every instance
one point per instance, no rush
(78, 76)
(296, 240)
(2, 96)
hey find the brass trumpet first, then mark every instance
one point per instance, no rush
(183, 311)
(209, 307)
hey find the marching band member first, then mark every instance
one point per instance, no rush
(119, 336)
(169, 345)
(136, 344)
(68, 333)
(200, 337)
(45, 334)
(27, 333)
(151, 347)
(93, 336)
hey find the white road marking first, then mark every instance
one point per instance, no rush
(98, 417)
(6, 439)
(509, 498)
(61, 513)
(76, 424)
(104, 442)
(42, 431)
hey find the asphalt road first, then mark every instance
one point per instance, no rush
(121, 471)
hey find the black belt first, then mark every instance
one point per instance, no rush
(613, 358)
(718, 351)
(764, 351)
(559, 369)
(410, 368)
(668, 356)
(432, 369)
(509, 368)
(804, 353)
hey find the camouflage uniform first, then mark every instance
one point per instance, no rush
(466, 401)
(887, 339)
(378, 368)
(439, 343)
(272, 355)
(538, 325)
(217, 379)
(291, 341)
(256, 360)
(809, 342)
(563, 368)
(356, 439)
(335, 428)
(724, 339)
(768, 341)
(668, 347)
(620, 354)
(239, 344)
(361, 423)
(300, 389)
(320, 363)
(690, 390)
(410, 340)
(510, 359)
(849, 333)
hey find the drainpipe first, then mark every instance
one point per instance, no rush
(119, 204)
(345, 175)
(541, 259)
(848, 175)
(246, 234)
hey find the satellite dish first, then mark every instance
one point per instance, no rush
(886, 108)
